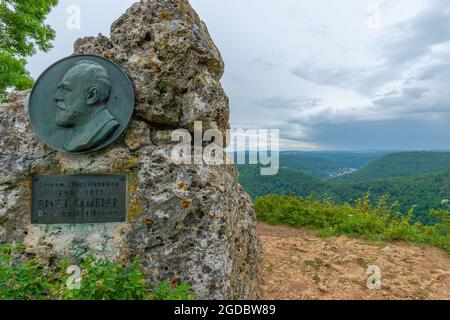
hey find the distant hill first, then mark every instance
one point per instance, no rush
(404, 164)
(326, 164)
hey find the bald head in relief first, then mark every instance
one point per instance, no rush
(82, 106)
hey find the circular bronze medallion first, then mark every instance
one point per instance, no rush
(81, 104)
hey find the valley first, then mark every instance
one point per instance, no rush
(418, 181)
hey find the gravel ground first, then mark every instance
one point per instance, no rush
(299, 265)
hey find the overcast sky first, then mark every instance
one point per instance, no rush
(331, 75)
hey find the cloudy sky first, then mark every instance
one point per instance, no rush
(331, 75)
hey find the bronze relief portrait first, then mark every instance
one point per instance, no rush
(81, 104)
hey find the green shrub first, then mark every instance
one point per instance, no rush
(105, 280)
(378, 221)
(165, 291)
(26, 279)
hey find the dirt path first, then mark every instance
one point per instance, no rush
(297, 264)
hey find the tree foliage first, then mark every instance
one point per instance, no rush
(22, 32)
(13, 74)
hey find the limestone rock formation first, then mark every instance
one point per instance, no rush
(175, 66)
(189, 223)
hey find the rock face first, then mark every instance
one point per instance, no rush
(166, 50)
(189, 223)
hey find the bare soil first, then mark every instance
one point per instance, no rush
(299, 265)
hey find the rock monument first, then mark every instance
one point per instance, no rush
(189, 223)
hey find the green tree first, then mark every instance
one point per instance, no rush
(22, 32)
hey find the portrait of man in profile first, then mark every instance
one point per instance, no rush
(81, 101)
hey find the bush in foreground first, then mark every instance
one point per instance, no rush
(26, 279)
(379, 221)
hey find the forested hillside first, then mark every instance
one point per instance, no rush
(422, 184)
(404, 164)
(287, 181)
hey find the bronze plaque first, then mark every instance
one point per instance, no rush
(74, 199)
(81, 104)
